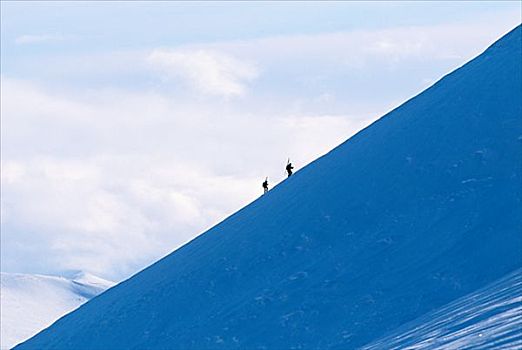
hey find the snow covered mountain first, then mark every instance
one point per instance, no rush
(490, 318)
(420, 209)
(29, 303)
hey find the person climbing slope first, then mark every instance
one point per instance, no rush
(265, 185)
(289, 168)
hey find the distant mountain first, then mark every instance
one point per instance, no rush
(29, 303)
(420, 209)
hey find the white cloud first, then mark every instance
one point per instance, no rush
(207, 71)
(98, 215)
(12, 172)
(360, 48)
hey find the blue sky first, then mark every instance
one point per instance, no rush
(130, 127)
(118, 25)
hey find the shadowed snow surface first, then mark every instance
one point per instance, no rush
(419, 209)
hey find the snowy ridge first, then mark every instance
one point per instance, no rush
(88, 285)
(29, 303)
(377, 233)
(490, 318)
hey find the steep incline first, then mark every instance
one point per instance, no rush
(417, 210)
(488, 319)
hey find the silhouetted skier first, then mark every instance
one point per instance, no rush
(265, 185)
(289, 168)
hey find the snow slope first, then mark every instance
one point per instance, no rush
(488, 319)
(419, 209)
(30, 303)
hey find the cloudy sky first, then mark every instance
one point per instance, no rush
(128, 128)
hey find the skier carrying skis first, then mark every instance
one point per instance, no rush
(289, 168)
(265, 185)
